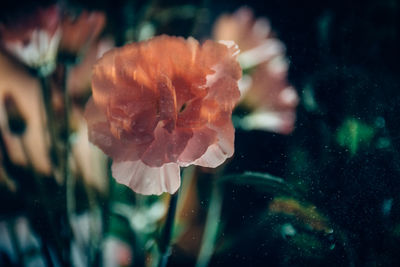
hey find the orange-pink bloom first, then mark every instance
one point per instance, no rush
(79, 32)
(265, 90)
(34, 38)
(163, 104)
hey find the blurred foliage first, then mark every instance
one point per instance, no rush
(306, 214)
(352, 134)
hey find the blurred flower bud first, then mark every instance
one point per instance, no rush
(80, 76)
(79, 32)
(33, 39)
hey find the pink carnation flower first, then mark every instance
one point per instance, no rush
(164, 104)
(265, 90)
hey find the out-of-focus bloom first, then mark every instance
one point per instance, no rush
(34, 38)
(79, 32)
(265, 90)
(89, 160)
(116, 253)
(80, 76)
(15, 82)
(161, 104)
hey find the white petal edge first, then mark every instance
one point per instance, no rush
(216, 154)
(147, 180)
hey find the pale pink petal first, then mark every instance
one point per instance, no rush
(197, 146)
(218, 152)
(147, 180)
(267, 88)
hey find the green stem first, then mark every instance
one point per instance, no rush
(44, 201)
(211, 227)
(15, 243)
(68, 177)
(7, 163)
(55, 158)
(50, 119)
(165, 246)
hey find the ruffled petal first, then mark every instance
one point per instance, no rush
(100, 135)
(222, 83)
(197, 146)
(167, 146)
(166, 101)
(147, 180)
(223, 149)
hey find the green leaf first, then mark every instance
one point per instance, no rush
(260, 181)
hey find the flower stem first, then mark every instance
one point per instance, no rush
(211, 227)
(44, 200)
(69, 180)
(165, 248)
(56, 165)
(47, 97)
(15, 243)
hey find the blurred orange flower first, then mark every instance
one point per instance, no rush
(34, 38)
(25, 90)
(265, 90)
(163, 104)
(80, 76)
(79, 32)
